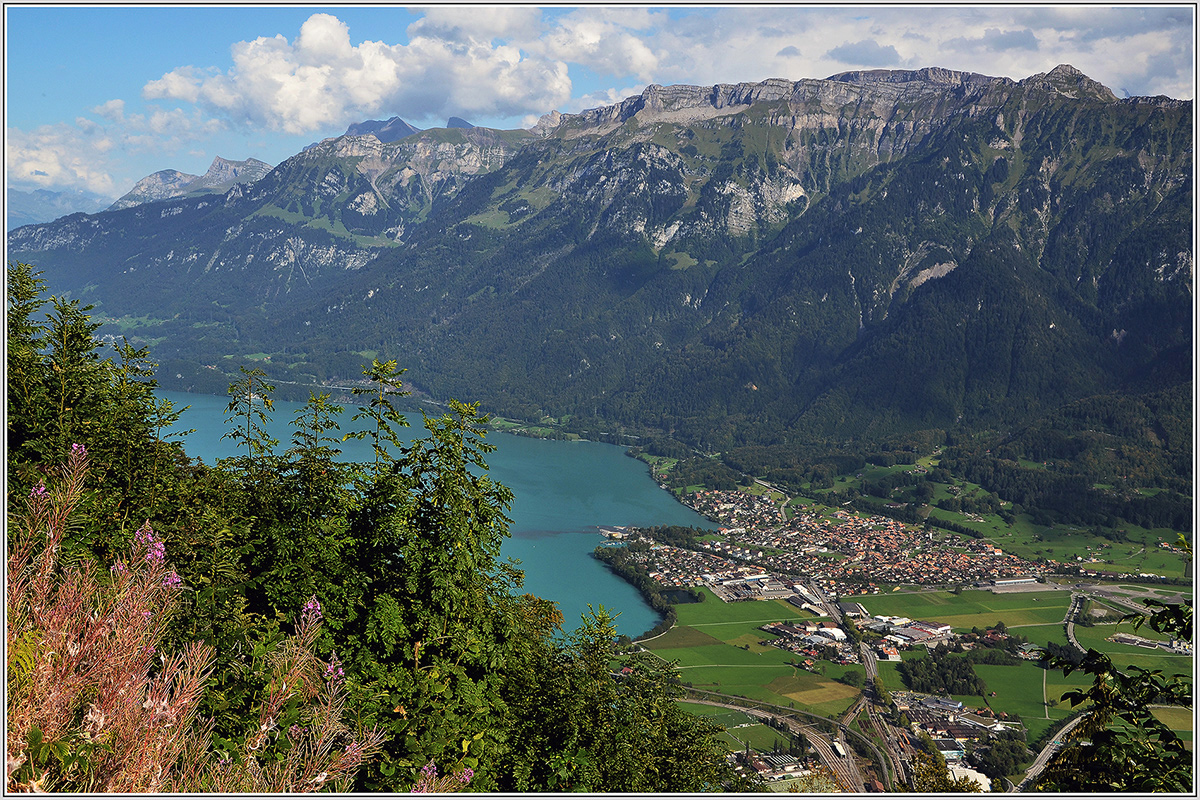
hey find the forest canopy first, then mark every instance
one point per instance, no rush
(380, 582)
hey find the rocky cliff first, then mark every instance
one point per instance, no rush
(168, 183)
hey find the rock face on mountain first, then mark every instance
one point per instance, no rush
(223, 173)
(168, 183)
(161, 185)
(873, 252)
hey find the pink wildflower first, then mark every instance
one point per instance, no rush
(155, 550)
(172, 580)
(313, 607)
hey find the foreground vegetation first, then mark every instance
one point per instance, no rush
(332, 624)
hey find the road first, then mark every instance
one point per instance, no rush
(1047, 753)
(1076, 604)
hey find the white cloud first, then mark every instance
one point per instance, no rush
(479, 23)
(59, 156)
(113, 110)
(178, 84)
(322, 81)
(608, 41)
(87, 154)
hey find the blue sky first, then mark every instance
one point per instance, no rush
(98, 97)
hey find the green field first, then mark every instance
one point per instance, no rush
(1180, 720)
(716, 647)
(721, 716)
(762, 738)
(715, 612)
(974, 607)
(1040, 634)
(740, 727)
(1124, 655)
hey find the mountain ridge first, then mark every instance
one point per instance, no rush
(821, 241)
(168, 183)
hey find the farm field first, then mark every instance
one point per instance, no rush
(974, 607)
(716, 646)
(740, 727)
(1180, 720)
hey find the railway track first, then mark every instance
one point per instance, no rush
(845, 769)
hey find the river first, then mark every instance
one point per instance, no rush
(562, 491)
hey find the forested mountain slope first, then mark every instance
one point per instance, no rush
(820, 260)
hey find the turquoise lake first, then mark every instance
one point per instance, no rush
(562, 491)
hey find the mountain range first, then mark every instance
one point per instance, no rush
(165, 184)
(875, 254)
(29, 207)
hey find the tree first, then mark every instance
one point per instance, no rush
(385, 379)
(1003, 755)
(1121, 746)
(931, 775)
(251, 394)
(881, 693)
(596, 728)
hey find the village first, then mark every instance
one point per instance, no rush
(819, 560)
(760, 555)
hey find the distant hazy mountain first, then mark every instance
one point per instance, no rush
(42, 205)
(458, 122)
(753, 263)
(389, 130)
(385, 131)
(168, 183)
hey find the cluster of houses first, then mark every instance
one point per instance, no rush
(800, 635)
(736, 509)
(951, 726)
(863, 549)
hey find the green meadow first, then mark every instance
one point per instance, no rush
(716, 646)
(973, 608)
(740, 728)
